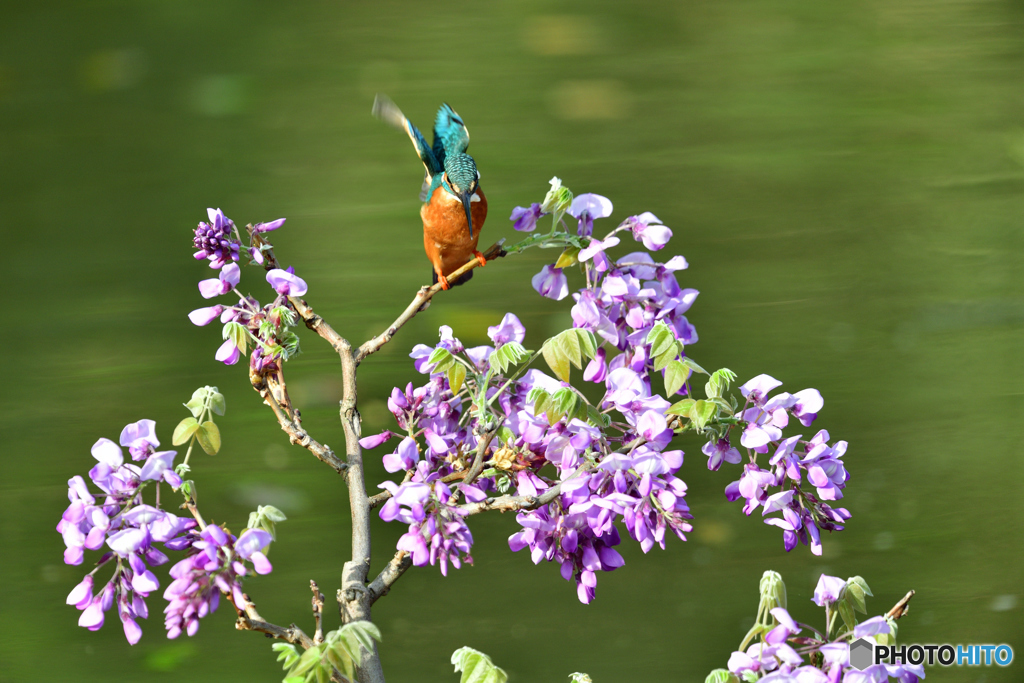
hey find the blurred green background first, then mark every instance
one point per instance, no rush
(845, 179)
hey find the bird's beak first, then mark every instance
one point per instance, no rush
(467, 198)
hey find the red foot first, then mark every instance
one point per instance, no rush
(480, 258)
(444, 282)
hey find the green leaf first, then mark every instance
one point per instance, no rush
(237, 333)
(271, 513)
(441, 359)
(542, 404)
(846, 612)
(196, 405)
(702, 413)
(676, 375)
(721, 676)
(860, 582)
(476, 667)
(308, 660)
(506, 436)
(535, 394)
(855, 597)
(217, 403)
(568, 257)
(688, 362)
(184, 431)
(682, 408)
(588, 342)
(719, 383)
(456, 376)
(569, 342)
(660, 338)
(662, 361)
(208, 436)
(556, 359)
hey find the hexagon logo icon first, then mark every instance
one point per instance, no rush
(862, 654)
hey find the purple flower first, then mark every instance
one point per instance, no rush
(215, 240)
(228, 352)
(405, 458)
(828, 589)
(371, 442)
(229, 277)
(205, 316)
(871, 627)
(286, 283)
(587, 207)
(808, 403)
(647, 228)
(268, 227)
(140, 438)
(719, 451)
(551, 282)
(509, 329)
(525, 220)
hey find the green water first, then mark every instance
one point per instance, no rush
(845, 179)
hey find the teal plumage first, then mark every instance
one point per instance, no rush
(453, 202)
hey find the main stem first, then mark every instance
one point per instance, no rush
(353, 598)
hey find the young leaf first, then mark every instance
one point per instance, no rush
(208, 436)
(184, 431)
(217, 403)
(682, 408)
(569, 342)
(588, 342)
(676, 375)
(556, 359)
(660, 338)
(688, 362)
(456, 376)
(568, 257)
(702, 413)
(197, 403)
(476, 667)
(721, 676)
(441, 359)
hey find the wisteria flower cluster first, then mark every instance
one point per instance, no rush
(268, 327)
(577, 471)
(113, 513)
(779, 649)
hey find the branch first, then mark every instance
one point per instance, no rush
(423, 297)
(901, 607)
(478, 461)
(391, 573)
(379, 499)
(509, 503)
(296, 434)
(318, 613)
(250, 620)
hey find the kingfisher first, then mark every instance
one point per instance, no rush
(454, 207)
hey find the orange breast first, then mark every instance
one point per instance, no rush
(445, 233)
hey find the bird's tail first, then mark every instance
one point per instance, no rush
(388, 112)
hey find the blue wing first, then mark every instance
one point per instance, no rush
(388, 112)
(450, 133)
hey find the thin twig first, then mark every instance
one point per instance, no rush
(250, 620)
(318, 613)
(425, 294)
(380, 586)
(296, 434)
(478, 461)
(379, 499)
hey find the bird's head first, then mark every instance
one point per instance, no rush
(461, 179)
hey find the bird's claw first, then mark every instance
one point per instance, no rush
(444, 282)
(480, 258)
